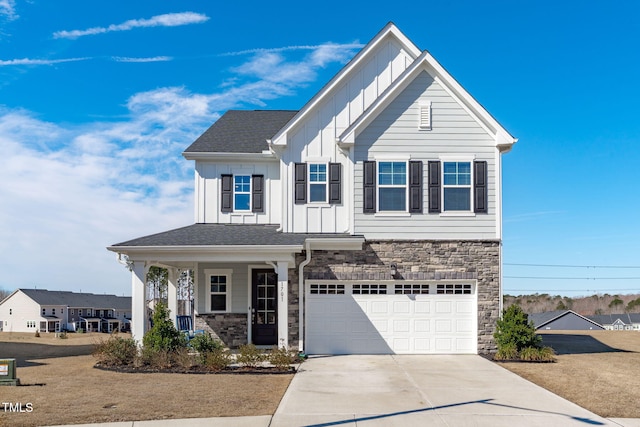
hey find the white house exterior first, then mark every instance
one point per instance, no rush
(369, 221)
(31, 310)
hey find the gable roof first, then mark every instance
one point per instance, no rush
(426, 62)
(76, 299)
(239, 131)
(541, 319)
(390, 30)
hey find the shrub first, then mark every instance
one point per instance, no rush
(281, 358)
(80, 331)
(250, 356)
(157, 358)
(116, 351)
(163, 335)
(204, 343)
(537, 354)
(217, 359)
(515, 329)
(507, 352)
(183, 359)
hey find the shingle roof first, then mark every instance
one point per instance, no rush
(540, 319)
(609, 319)
(240, 131)
(225, 235)
(75, 299)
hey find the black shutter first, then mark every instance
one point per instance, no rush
(434, 187)
(257, 193)
(415, 187)
(335, 183)
(300, 183)
(480, 187)
(369, 187)
(226, 199)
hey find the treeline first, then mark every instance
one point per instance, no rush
(586, 306)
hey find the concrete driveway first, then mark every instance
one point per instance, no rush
(420, 391)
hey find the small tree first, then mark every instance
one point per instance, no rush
(163, 335)
(515, 329)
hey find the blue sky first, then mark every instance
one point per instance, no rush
(98, 100)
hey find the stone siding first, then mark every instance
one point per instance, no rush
(230, 328)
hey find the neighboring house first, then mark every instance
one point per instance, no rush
(31, 310)
(618, 322)
(369, 221)
(563, 320)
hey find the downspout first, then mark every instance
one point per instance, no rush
(301, 298)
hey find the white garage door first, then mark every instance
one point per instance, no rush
(391, 318)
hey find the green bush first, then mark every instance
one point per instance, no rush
(204, 343)
(80, 331)
(282, 358)
(250, 356)
(163, 335)
(515, 329)
(217, 359)
(116, 351)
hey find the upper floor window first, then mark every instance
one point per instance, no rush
(317, 182)
(44, 311)
(457, 186)
(241, 193)
(392, 186)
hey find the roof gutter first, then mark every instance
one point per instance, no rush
(301, 297)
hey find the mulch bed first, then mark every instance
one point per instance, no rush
(127, 369)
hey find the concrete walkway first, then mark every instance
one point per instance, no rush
(406, 391)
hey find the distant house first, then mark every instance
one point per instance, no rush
(31, 310)
(563, 320)
(618, 322)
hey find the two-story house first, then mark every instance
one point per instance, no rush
(369, 221)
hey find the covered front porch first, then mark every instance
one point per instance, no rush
(247, 278)
(50, 324)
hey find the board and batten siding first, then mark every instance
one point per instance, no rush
(454, 132)
(208, 192)
(314, 139)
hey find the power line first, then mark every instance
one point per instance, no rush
(571, 278)
(573, 266)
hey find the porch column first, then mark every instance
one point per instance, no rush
(139, 271)
(172, 294)
(283, 304)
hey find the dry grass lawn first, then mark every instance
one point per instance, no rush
(598, 370)
(63, 387)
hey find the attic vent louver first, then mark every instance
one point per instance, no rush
(425, 116)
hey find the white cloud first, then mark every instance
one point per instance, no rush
(150, 59)
(353, 45)
(69, 191)
(166, 20)
(27, 61)
(8, 9)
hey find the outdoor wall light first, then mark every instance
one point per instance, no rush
(394, 269)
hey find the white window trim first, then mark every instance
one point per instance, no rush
(470, 212)
(218, 272)
(404, 212)
(249, 193)
(326, 182)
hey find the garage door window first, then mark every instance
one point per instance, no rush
(369, 289)
(327, 289)
(412, 289)
(453, 289)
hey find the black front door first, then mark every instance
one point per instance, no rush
(264, 318)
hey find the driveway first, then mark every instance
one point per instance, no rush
(433, 391)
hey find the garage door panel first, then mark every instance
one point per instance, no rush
(390, 323)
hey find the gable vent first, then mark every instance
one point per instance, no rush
(425, 116)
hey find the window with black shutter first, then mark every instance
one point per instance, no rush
(369, 187)
(300, 183)
(257, 193)
(226, 194)
(335, 183)
(480, 187)
(434, 186)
